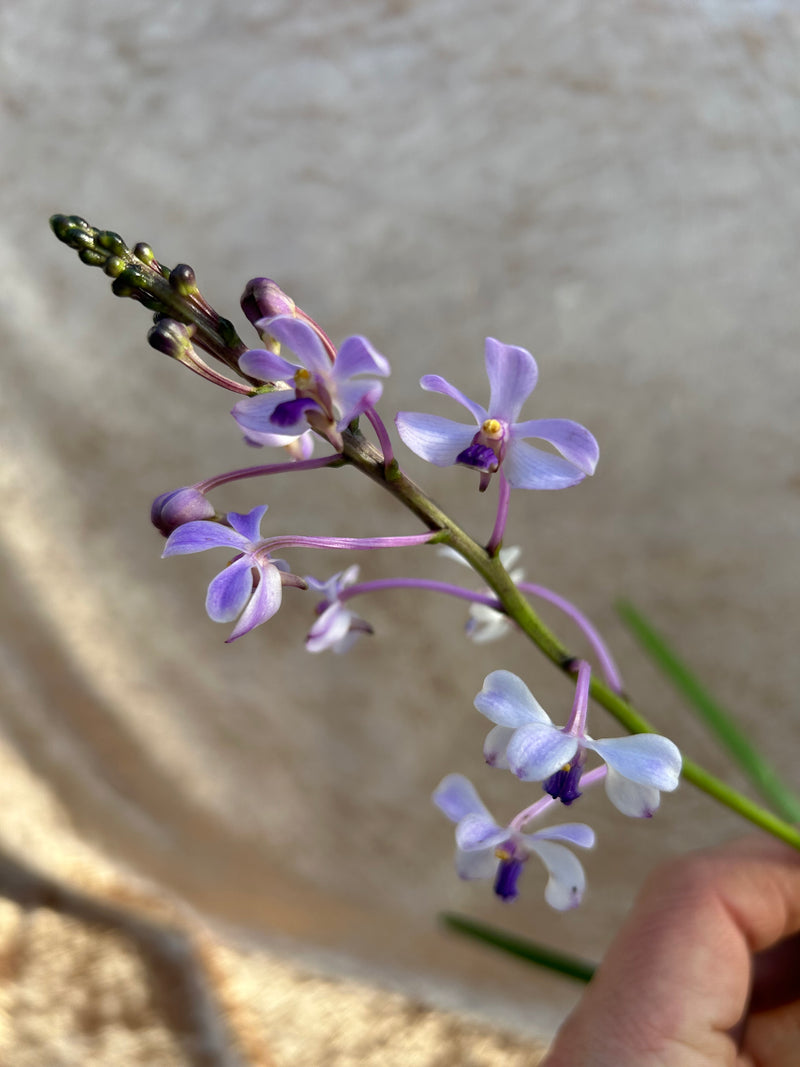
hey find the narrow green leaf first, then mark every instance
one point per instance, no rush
(539, 955)
(719, 721)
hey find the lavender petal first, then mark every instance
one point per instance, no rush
(647, 759)
(512, 375)
(476, 863)
(358, 356)
(507, 701)
(637, 801)
(527, 467)
(457, 797)
(567, 882)
(433, 383)
(254, 413)
(572, 440)
(574, 833)
(266, 366)
(229, 592)
(496, 745)
(330, 628)
(248, 525)
(476, 831)
(436, 439)
(302, 339)
(262, 605)
(538, 750)
(355, 397)
(201, 534)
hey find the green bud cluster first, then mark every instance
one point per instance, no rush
(136, 273)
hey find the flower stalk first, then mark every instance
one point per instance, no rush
(251, 590)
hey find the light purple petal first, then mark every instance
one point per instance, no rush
(567, 882)
(574, 833)
(433, 383)
(478, 863)
(249, 524)
(572, 440)
(507, 701)
(280, 440)
(229, 592)
(476, 831)
(355, 397)
(262, 605)
(495, 745)
(485, 624)
(331, 587)
(255, 412)
(357, 630)
(647, 759)
(434, 438)
(456, 796)
(202, 534)
(527, 467)
(512, 375)
(637, 801)
(302, 340)
(538, 750)
(327, 630)
(266, 366)
(358, 356)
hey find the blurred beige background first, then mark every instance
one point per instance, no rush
(610, 184)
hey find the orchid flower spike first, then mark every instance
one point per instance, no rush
(250, 588)
(486, 850)
(325, 393)
(336, 627)
(499, 440)
(529, 744)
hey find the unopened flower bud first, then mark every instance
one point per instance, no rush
(172, 338)
(262, 298)
(182, 280)
(145, 253)
(179, 506)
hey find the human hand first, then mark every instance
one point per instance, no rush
(704, 973)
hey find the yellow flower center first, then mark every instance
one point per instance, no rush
(492, 428)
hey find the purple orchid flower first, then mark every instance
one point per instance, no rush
(336, 627)
(529, 744)
(499, 441)
(485, 849)
(250, 588)
(326, 392)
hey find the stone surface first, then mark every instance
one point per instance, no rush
(609, 184)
